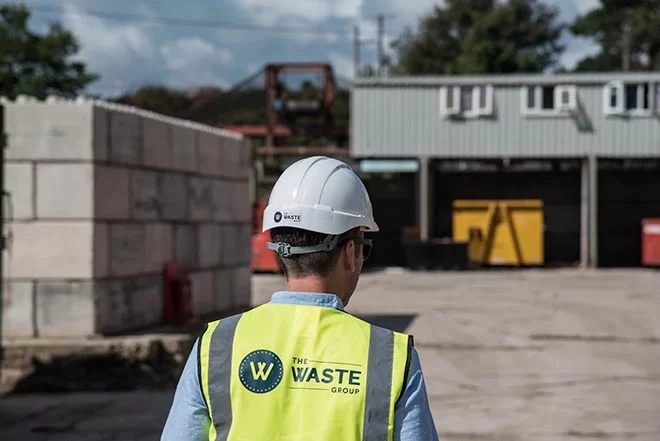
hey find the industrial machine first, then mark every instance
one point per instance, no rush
(500, 232)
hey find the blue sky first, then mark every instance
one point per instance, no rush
(128, 55)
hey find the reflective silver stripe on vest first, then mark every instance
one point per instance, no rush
(220, 352)
(379, 385)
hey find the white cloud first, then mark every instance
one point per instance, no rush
(577, 50)
(271, 11)
(342, 64)
(193, 61)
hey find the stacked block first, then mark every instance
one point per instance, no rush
(103, 196)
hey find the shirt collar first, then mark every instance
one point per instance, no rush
(307, 298)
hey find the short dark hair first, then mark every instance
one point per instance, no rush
(305, 265)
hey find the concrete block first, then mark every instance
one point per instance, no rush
(185, 245)
(220, 206)
(210, 154)
(203, 293)
(65, 308)
(127, 304)
(242, 201)
(50, 250)
(184, 149)
(230, 157)
(49, 131)
(101, 251)
(229, 253)
(244, 159)
(19, 182)
(125, 138)
(243, 243)
(65, 191)
(200, 199)
(242, 296)
(174, 197)
(224, 287)
(210, 246)
(127, 249)
(112, 186)
(157, 143)
(159, 246)
(18, 309)
(145, 195)
(100, 134)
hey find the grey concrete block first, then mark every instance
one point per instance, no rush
(145, 195)
(49, 131)
(223, 282)
(210, 153)
(127, 304)
(244, 159)
(112, 186)
(125, 138)
(64, 250)
(65, 191)
(210, 245)
(200, 199)
(173, 197)
(184, 149)
(221, 197)
(203, 293)
(101, 251)
(242, 296)
(157, 143)
(100, 135)
(18, 309)
(230, 158)
(127, 251)
(242, 202)
(65, 308)
(159, 246)
(185, 245)
(229, 254)
(243, 243)
(19, 182)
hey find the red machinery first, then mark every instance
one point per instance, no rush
(263, 260)
(651, 242)
(177, 296)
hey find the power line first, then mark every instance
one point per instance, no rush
(170, 21)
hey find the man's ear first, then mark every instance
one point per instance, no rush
(348, 254)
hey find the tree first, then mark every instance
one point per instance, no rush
(482, 36)
(624, 30)
(38, 65)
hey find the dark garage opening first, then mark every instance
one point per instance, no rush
(558, 189)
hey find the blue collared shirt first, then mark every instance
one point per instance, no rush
(189, 418)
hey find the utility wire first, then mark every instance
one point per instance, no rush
(170, 21)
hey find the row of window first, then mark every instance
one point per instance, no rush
(634, 99)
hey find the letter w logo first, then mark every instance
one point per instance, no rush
(258, 373)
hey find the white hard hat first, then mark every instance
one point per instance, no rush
(319, 194)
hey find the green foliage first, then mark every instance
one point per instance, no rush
(605, 25)
(38, 65)
(482, 36)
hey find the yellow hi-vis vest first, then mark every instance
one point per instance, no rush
(298, 372)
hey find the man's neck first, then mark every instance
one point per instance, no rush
(313, 285)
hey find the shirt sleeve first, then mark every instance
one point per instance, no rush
(188, 419)
(413, 420)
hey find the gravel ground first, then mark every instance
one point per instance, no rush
(554, 355)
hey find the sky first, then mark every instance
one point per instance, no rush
(129, 54)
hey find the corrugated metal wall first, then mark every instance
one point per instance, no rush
(560, 192)
(405, 120)
(395, 206)
(625, 198)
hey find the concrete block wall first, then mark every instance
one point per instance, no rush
(103, 195)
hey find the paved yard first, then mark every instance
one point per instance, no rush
(552, 355)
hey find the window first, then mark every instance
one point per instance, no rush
(466, 101)
(550, 100)
(635, 99)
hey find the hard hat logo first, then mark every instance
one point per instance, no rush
(278, 217)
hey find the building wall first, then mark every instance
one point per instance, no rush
(103, 195)
(401, 117)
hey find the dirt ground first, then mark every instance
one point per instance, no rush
(539, 355)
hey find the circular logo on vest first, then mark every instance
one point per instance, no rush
(278, 217)
(261, 371)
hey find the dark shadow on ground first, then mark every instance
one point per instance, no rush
(395, 322)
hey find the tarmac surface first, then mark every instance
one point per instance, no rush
(532, 355)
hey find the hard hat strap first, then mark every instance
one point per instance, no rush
(286, 250)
